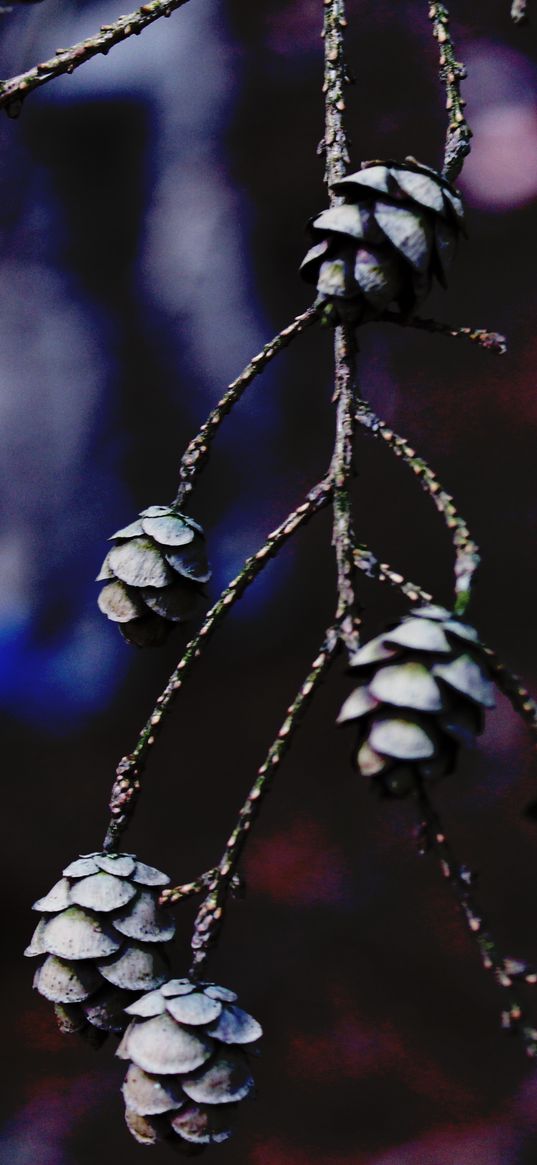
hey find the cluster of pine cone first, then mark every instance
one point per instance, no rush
(103, 948)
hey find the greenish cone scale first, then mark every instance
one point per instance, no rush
(153, 574)
(102, 940)
(189, 1067)
(424, 686)
(395, 232)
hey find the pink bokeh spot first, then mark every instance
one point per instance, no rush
(501, 171)
(277, 1152)
(298, 866)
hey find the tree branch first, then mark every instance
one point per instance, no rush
(492, 341)
(452, 72)
(520, 699)
(370, 565)
(341, 471)
(15, 89)
(335, 144)
(466, 550)
(198, 450)
(461, 879)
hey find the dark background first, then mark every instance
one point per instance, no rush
(152, 211)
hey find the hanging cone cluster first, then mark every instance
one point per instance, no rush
(189, 1067)
(395, 232)
(101, 941)
(423, 689)
(153, 574)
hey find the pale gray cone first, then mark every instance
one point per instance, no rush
(423, 688)
(153, 574)
(101, 940)
(382, 248)
(189, 1067)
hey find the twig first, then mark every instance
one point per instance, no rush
(492, 341)
(510, 685)
(341, 470)
(126, 787)
(198, 450)
(452, 72)
(367, 562)
(173, 894)
(15, 89)
(335, 144)
(466, 550)
(519, 11)
(462, 880)
(210, 915)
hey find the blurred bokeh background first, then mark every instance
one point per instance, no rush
(152, 211)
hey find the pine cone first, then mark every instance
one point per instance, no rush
(397, 229)
(153, 574)
(189, 1067)
(423, 688)
(101, 940)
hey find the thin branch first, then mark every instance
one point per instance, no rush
(370, 565)
(15, 89)
(466, 550)
(510, 685)
(197, 451)
(462, 880)
(335, 144)
(126, 787)
(211, 913)
(492, 341)
(341, 471)
(519, 11)
(173, 894)
(452, 72)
